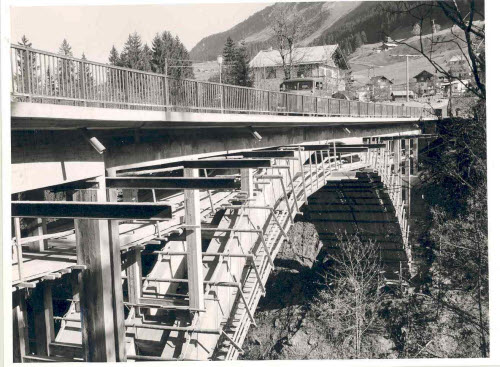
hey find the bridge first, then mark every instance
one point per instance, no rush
(148, 210)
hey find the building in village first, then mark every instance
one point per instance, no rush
(426, 84)
(457, 87)
(380, 88)
(324, 63)
(387, 45)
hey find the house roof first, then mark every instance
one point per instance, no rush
(301, 55)
(375, 79)
(425, 74)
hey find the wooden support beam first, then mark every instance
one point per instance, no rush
(349, 150)
(36, 226)
(193, 242)
(43, 318)
(92, 210)
(372, 146)
(134, 275)
(173, 183)
(399, 137)
(311, 147)
(228, 163)
(116, 282)
(20, 325)
(247, 181)
(93, 247)
(76, 185)
(267, 154)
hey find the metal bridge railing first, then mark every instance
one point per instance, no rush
(44, 77)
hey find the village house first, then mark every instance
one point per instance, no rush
(387, 44)
(426, 83)
(324, 62)
(380, 88)
(457, 87)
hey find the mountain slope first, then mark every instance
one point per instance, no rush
(256, 32)
(348, 23)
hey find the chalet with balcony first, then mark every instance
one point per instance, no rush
(326, 62)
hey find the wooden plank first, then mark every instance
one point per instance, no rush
(193, 242)
(175, 183)
(93, 210)
(228, 163)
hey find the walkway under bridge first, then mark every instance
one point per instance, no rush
(140, 267)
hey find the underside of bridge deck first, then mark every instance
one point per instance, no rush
(42, 158)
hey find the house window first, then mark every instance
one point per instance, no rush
(304, 71)
(270, 73)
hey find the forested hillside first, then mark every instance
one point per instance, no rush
(351, 24)
(256, 30)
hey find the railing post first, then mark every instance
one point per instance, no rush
(166, 91)
(268, 101)
(127, 90)
(83, 82)
(28, 73)
(221, 98)
(197, 100)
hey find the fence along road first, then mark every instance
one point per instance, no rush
(44, 77)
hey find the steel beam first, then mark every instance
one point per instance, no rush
(173, 183)
(228, 163)
(266, 154)
(90, 210)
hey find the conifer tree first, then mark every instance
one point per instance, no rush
(146, 58)
(26, 67)
(88, 78)
(66, 72)
(24, 41)
(229, 58)
(131, 55)
(114, 57)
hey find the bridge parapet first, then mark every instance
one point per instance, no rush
(44, 77)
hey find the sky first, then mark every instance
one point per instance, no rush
(95, 29)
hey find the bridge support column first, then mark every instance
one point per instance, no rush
(101, 301)
(193, 242)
